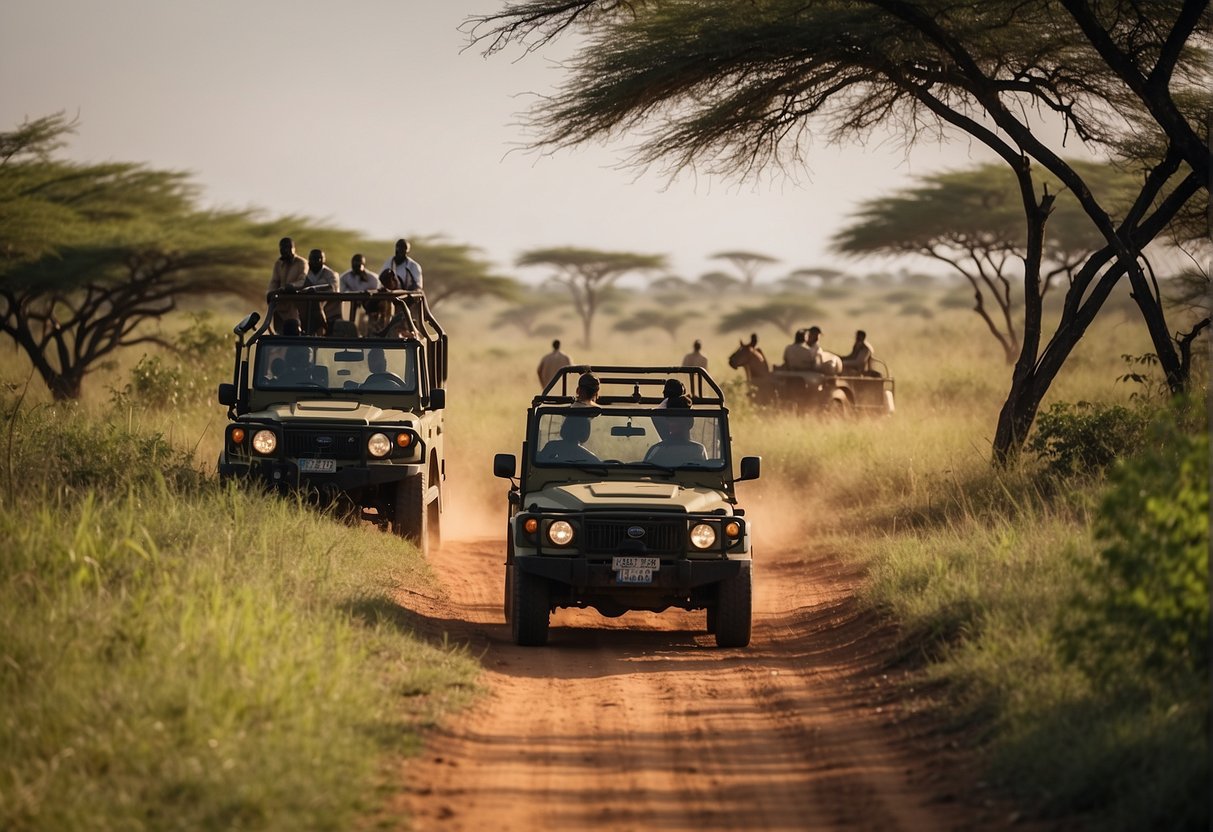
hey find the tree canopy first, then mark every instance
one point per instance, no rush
(737, 87)
(972, 220)
(588, 274)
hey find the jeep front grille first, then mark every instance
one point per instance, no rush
(333, 444)
(660, 536)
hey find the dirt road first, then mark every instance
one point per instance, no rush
(641, 722)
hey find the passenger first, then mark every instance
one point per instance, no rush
(358, 279)
(587, 390)
(289, 270)
(550, 363)
(824, 361)
(695, 358)
(671, 390)
(574, 431)
(676, 446)
(321, 278)
(405, 271)
(798, 356)
(859, 359)
(297, 367)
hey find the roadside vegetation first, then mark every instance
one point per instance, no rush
(181, 656)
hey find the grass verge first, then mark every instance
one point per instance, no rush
(180, 656)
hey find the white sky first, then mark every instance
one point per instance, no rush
(366, 113)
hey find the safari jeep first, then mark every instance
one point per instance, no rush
(350, 420)
(612, 511)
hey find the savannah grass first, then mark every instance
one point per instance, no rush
(178, 655)
(983, 571)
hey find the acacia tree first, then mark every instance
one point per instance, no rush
(735, 87)
(972, 221)
(668, 322)
(94, 252)
(589, 274)
(457, 270)
(786, 313)
(748, 263)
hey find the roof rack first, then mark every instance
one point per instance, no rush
(621, 384)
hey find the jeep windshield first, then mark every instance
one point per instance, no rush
(599, 440)
(293, 363)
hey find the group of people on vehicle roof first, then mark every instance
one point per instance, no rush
(292, 272)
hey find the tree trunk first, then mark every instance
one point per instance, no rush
(1019, 411)
(64, 386)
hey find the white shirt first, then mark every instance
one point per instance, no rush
(351, 281)
(409, 272)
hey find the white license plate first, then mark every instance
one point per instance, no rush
(630, 562)
(633, 575)
(318, 466)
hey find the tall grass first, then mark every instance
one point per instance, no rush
(181, 656)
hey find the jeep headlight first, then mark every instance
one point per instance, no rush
(561, 532)
(378, 445)
(703, 536)
(265, 442)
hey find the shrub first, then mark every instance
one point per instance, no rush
(1086, 437)
(1148, 601)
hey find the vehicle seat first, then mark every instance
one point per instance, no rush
(674, 454)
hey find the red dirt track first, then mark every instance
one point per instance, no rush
(640, 722)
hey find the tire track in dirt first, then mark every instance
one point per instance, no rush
(641, 722)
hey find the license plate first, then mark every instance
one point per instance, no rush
(317, 466)
(633, 575)
(631, 562)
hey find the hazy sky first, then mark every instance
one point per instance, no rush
(368, 114)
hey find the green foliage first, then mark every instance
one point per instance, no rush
(1145, 617)
(1086, 437)
(180, 656)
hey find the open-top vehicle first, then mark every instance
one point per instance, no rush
(869, 392)
(622, 505)
(350, 420)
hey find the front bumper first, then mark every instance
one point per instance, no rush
(285, 474)
(582, 573)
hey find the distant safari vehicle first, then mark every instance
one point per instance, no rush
(350, 420)
(623, 506)
(869, 392)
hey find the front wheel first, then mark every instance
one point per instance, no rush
(531, 610)
(734, 609)
(410, 519)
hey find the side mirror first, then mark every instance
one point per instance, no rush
(438, 399)
(751, 468)
(227, 394)
(504, 466)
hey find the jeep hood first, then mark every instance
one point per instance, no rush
(334, 410)
(638, 496)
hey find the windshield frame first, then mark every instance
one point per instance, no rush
(401, 356)
(589, 470)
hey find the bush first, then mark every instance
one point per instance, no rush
(1148, 601)
(1085, 438)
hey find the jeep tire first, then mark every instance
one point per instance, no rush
(734, 608)
(410, 519)
(530, 610)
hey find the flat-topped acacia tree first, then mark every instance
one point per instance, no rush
(735, 88)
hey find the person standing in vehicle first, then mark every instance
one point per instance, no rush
(405, 271)
(358, 279)
(550, 363)
(859, 359)
(322, 279)
(695, 358)
(289, 270)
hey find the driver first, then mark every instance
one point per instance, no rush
(376, 362)
(676, 447)
(574, 430)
